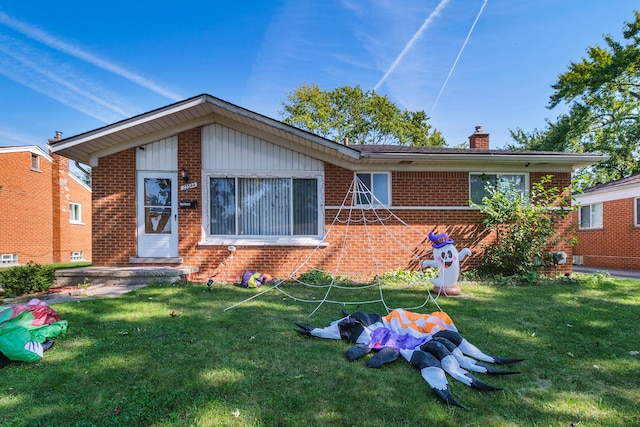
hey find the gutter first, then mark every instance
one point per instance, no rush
(560, 158)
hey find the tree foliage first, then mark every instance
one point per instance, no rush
(363, 117)
(603, 95)
(524, 226)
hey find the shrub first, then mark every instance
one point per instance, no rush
(322, 278)
(523, 226)
(399, 276)
(27, 279)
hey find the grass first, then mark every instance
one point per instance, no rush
(169, 355)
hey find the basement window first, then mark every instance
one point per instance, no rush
(8, 259)
(77, 256)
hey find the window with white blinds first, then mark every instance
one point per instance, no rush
(264, 206)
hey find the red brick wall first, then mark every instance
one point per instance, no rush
(26, 208)
(401, 243)
(69, 237)
(114, 209)
(361, 249)
(617, 244)
(430, 189)
(190, 220)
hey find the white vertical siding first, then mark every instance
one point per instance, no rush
(161, 155)
(228, 149)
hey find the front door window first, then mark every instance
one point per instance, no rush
(157, 206)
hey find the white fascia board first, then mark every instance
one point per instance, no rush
(125, 124)
(607, 195)
(575, 161)
(80, 182)
(33, 149)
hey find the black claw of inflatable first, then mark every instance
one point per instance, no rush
(476, 383)
(304, 329)
(357, 351)
(495, 371)
(447, 397)
(384, 356)
(505, 360)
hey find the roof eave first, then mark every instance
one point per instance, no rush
(575, 160)
(108, 136)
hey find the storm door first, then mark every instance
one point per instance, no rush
(157, 215)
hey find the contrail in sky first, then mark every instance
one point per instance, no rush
(459, 54)
(415, 37)
(64, 82)
(45, 38)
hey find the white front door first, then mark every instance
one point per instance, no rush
(157, 215)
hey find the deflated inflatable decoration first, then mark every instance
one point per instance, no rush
(430, 342)
(27, 331)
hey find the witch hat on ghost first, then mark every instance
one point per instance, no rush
(440, 240)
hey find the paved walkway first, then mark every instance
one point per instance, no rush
(613, 272)
(80, 294)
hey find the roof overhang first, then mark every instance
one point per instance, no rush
(489, 159)
(201, 110)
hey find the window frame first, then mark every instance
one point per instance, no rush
(591, 226)
(35, 162)
(76, 208)
(636, 212)
(8, 260)
(76, 256)
(525, 181)
(373, 191)
(270, 240)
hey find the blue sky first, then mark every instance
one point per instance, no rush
(75, 66)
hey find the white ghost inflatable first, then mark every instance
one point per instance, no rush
(446, 259)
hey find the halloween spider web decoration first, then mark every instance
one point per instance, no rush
(349, 236)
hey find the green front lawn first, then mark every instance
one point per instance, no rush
(169, 355)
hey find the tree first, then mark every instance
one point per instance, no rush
(363, 117)
(603, 95)
(524, 226)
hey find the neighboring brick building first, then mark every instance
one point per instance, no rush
(45, 211)
(608, 223)
(207, 184)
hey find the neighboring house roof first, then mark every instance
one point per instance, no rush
(205, 109)
(33, 149)
(613, 190)
(630, 181)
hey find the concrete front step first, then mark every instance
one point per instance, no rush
(121, 275)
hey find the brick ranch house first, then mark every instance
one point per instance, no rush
(608, 219)
(207, 184)
(45, 210)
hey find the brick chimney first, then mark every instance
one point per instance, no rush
(56, 138)
(479, 140)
